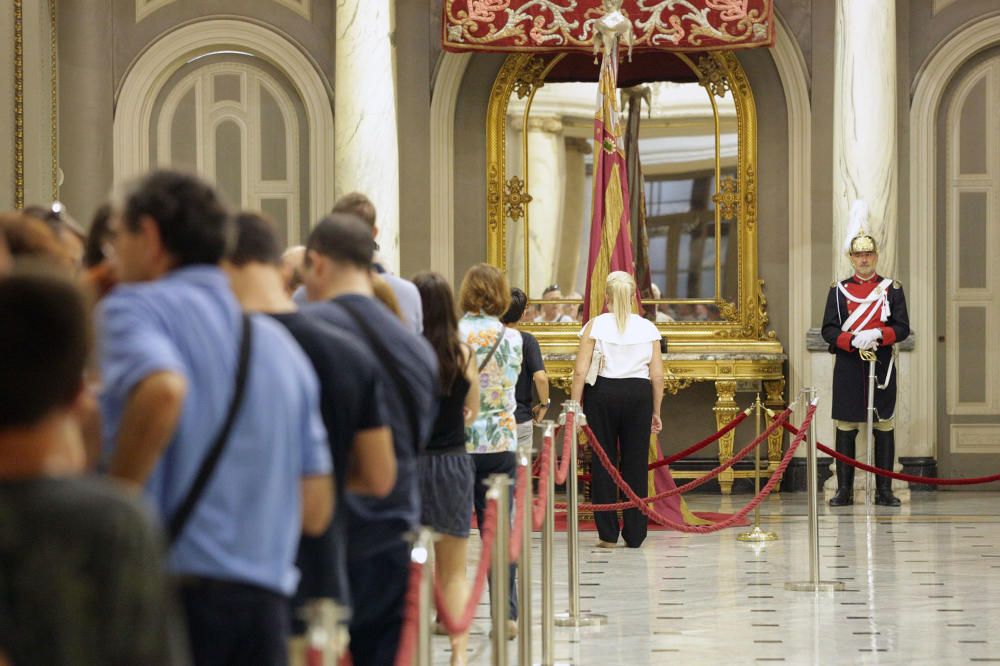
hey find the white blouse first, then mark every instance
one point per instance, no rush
(626, 355)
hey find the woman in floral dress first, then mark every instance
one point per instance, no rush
(492, 437)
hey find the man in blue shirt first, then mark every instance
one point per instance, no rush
(170, 339)
(337, 276)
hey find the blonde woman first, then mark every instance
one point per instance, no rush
(623, 404)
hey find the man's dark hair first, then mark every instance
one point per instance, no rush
(97, 237)
(256, 241)
(344, 238)
(44, 343)
(358, 204)
(518, 301)
(193, 222)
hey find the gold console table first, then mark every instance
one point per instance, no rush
(751, 361)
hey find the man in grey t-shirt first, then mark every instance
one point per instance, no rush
(81, 564)
(405, 291)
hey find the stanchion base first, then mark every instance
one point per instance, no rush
(757, 534)
(821, 586)
(581, 620)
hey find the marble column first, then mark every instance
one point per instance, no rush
(865, 153)
(546, 183)
(864, 125)
(366, 136)
(515, 228)
(86, 105)
(574, 204)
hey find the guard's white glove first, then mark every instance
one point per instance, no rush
(867, 339)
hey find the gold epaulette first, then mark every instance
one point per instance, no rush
(833, 285)
(896, 284)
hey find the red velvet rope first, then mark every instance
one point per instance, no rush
(656, 517)
(411, 617)
(462, 623)
(694, 448)
(568, 431)
(616, 475)
(544, 466)
(929, 480)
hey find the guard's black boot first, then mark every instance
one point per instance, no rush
(845, 473)
(885, 456)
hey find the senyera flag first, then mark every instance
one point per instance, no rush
(610, 233)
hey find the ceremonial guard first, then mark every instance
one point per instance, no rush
(864, 313)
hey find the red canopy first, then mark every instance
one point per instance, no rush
(542, 26)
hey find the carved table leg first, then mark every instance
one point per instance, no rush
(776, 402)
(725, 411)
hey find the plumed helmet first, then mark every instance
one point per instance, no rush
(858, 238)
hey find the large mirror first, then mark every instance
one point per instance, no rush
(690, 146)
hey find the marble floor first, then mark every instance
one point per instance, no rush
(922, 587)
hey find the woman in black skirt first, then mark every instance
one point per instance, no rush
(445, 469)
(622, 404)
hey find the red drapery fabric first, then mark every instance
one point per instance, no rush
(558, 25)
(610, 232)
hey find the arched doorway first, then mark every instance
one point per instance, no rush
(930, 432)
(240, 104)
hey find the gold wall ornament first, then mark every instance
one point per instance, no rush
(726, 198)
(673, 385)
(517, 198)
(712, 75)
(562, 381)
(18, 104)
(494, 197)
(531, 77)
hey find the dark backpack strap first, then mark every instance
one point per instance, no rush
(493, 349)
(385, 359)
(187, 507)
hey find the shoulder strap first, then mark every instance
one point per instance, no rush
(211, 461)
(493, 349)
(385, 360)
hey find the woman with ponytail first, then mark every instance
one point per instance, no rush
(622, 404)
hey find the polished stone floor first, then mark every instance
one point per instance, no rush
(922, 587)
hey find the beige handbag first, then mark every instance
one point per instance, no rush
(596, 363)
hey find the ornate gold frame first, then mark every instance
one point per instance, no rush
(743, 319)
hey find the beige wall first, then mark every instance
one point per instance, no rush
(414, 66)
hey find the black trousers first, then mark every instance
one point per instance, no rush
(378, 590)
(487, 464)
(620, 412)
(234, 623)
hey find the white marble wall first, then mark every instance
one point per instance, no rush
(367, 149)
(573, 225)
(546, 185)
(864, 124)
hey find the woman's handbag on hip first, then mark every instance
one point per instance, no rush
(596, 363)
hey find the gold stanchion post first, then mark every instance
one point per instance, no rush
(756, 534)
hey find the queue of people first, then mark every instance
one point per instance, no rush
(253, 427)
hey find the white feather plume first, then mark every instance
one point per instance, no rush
(857, 221)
